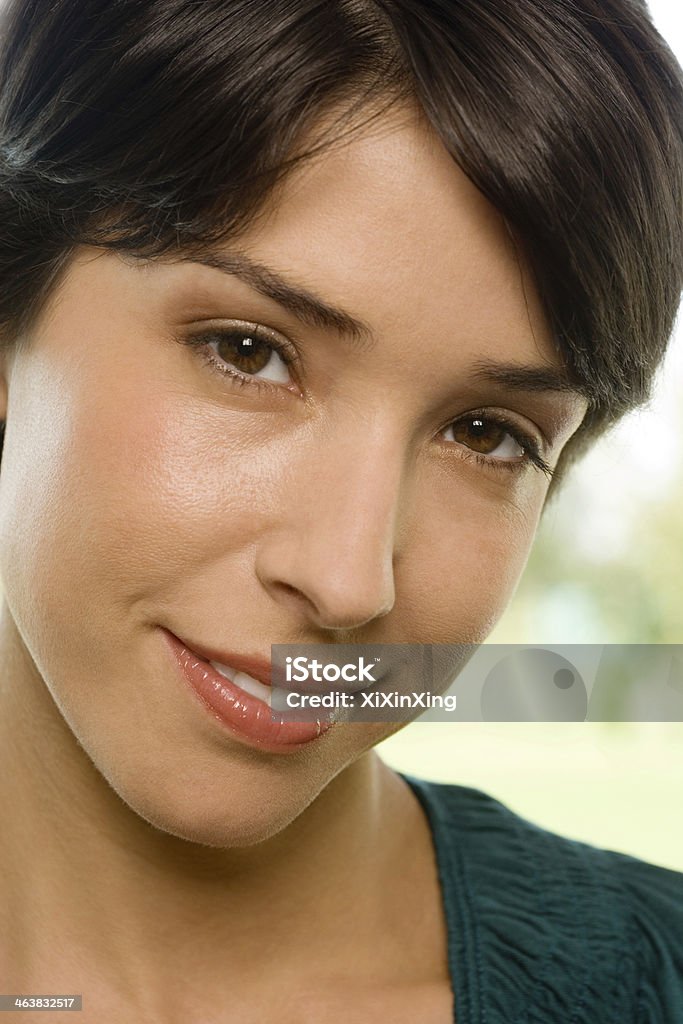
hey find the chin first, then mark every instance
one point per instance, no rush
(238, 814)
(229, 832)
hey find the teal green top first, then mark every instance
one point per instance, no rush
(548, 930)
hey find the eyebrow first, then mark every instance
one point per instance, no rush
(529, 378)
(304, 304)
(310, 309)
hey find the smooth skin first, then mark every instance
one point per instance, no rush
(151, 861)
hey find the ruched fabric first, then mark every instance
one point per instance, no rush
(548, 930)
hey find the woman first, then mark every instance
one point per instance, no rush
(306, 309)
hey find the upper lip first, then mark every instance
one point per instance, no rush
(253, 665)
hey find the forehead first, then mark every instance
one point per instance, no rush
(387, 225)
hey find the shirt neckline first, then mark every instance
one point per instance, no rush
(538, 926)
(461, 930)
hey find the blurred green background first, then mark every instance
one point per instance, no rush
(606, 568)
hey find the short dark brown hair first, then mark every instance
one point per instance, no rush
(156, 126)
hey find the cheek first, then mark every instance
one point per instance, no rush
(470, 543)
(132, 492)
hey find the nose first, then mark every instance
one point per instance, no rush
(333, 549)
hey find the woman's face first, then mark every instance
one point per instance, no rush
(340, 488)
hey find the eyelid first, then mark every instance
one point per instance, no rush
(502, 418)
(523, 437)
(282, 345)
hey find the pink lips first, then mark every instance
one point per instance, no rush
(246, 717)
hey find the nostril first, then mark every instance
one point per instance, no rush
(288, 590)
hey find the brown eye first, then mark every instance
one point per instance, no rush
(497, 442)
(486, 436)
(244, 350)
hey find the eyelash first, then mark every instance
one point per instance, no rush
(528, 444)
(289, 355)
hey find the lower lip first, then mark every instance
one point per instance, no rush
(246, 717)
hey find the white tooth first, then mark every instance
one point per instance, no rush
(253, 687)
(223, 670)
(245, 682)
